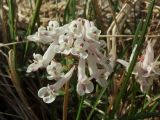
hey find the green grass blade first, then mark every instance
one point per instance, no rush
(33, 22)
(96, 103)
(137, 33)
(80, 108)
(70, 11)
(11, 20)
(34, 17)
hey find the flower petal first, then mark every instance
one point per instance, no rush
(89, 87)
(49, 99)
(49, 55)
(84, 87)
(92, 66)
(34, 67)
(80, 89)
(83, 55)
(42, 92)
(37, 56)
(63, 80)
(81, 70)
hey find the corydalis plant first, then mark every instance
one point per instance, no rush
(145, 68)
(78, 40)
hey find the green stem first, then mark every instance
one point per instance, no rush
(80, 108)
(96, 103)
(11, 20)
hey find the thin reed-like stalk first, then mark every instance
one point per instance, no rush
(80, 108)
(65, 102)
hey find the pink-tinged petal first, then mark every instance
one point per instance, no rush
(92, 33)
(149, 55)
(85, 87)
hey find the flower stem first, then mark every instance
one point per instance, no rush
(80, 108)
(65, 102)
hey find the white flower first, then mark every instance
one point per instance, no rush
(49, 93)
(75, 27)
(91, 30)
(101, 75)
(38, 62)
(43, 36)
(49, 55)
(144, 67)
(80, 48)
(84, 84)
(104, 61)
(42, 61)
(65, 44)
(55, 70)
(92, 33)
(78, 38)
(148, 63)
(145, 82)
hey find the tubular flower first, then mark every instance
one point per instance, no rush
(84, 84)
(145, 68)
(80, 48)
(49, 93)
(65, 44)
(55, 70)
(42, 61)
(77, 40)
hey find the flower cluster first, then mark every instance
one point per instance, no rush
(79, 39)
(145, 68)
